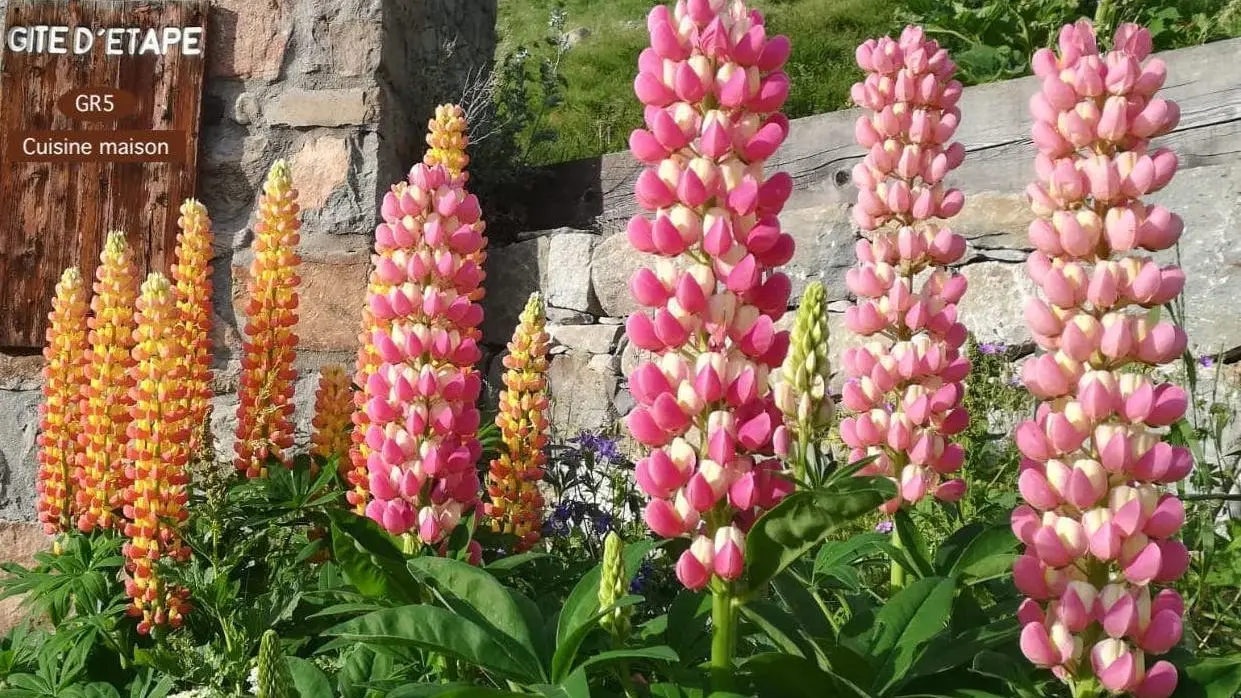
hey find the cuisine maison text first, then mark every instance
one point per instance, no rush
(112, 41)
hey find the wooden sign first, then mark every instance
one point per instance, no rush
(99, 109)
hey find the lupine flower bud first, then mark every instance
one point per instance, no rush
(801, 391)
(1094, 466)
(612, 586)
(355, 471)
(265, 398)
(105, 395)
(421, 422)
(333, 407)
(713, 84)
(158, 439)
(60, 424)
(513, 484)
(274, 680)
(191, 274)
(904, 386)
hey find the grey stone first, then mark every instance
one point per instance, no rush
(246, 109)
(994, 301)
(19, 425)
(560, 316)
(592, 339)
(581, 394)
(614, 261)
(566, 280)
(576, 36)
(305, 108)
(513, 273)
(824, 237)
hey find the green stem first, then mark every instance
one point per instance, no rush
(803, 454)
(626, 679)
(723, 638)
(1103, 17)
(898, 572)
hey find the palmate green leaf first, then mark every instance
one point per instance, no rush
(802, 604)
(440, 630)
(451, 690)
(846, 552)
(308, 679)
(803, 520)
(363, 665)
(779, 626)
(476, 595)
(965, 647)
(509, 563)
(905, 624)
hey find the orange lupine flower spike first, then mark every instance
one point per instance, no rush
(191, 274)
(158, 450)
(333, 405)
(100, 476)
(356, 473)
(265, 398)
(513, 483)
(61, 423)
(447, 138)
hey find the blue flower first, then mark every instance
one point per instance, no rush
(1206, 361)
(602, 447)
(561, 513)
(603, 523)
(645, 570)
(884, 526)
(993, 348)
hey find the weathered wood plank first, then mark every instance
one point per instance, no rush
(57, 214)
(820, 151)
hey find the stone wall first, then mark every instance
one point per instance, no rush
(583, 262)
(340, 88)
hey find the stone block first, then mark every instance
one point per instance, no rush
(513, 273)
(19, 425)
(249, 38)
(591, 339)
(21, 372)
(612, 264)
(19, 542)
(994, 301)
(308, 108)
(318, 169)
(824, 236)
(581, 394)
(567, 272)
(331, 296)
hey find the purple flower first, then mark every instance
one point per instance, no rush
(993, 348)
(1206, 361)
(642, 577)
(561, 513)
(603, 447)
(884, 526)
(603, 523)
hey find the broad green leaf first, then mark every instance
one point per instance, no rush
(452, 690)
(1014, 672)
(803, 520)
(687, 620)
(566, 651)
(583, 601)
(440, 630)
(362, 666)
(846, 552)
(366, 558)
(575, 686)
(308, 679)
(1215, 677)
(491, 603)
(777, 675)
(802, 604)
(913, 543)
(905, 624)
(658, 654)
(507, 564)
(965, 647)
(986, 555)
(779, 627)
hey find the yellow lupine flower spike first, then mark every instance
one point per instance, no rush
(447, 139)
(158, 450)
(265, 398)
(191, 274)
(513, 483)
(333, 407)
(105, 394)
(61, 423)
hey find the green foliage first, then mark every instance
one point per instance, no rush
(995, 39)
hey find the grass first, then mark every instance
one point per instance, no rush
(599, 109)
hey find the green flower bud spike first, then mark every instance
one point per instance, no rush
(801, 392)
(274, 679)
(612, 586)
